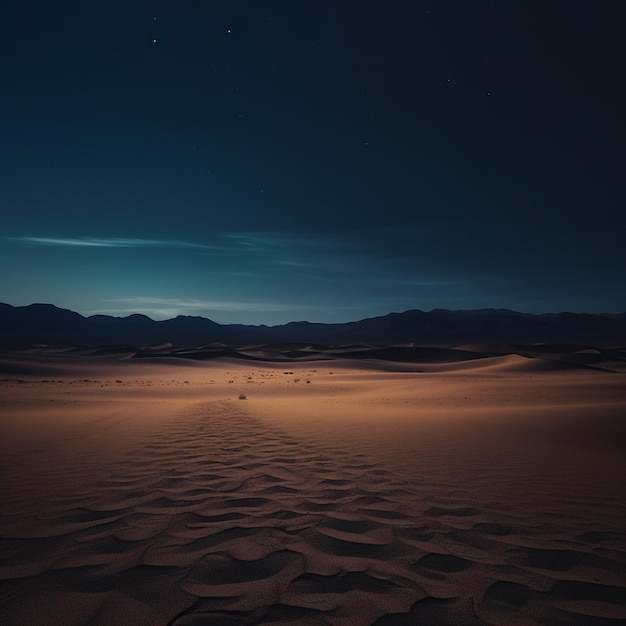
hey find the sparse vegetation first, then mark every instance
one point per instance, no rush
(242, 396)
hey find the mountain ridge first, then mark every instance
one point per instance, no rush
(47, 324)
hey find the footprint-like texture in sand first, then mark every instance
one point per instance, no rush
(219, 519)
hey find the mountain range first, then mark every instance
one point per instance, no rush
(46, 324)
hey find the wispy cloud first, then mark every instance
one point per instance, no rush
(421, 282)
(230, 242)
(289, 250)
(110, 242)
(268, 241)
(163, 308)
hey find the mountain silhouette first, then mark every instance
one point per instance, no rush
(47, 324)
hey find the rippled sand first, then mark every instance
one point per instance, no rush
(314, 491)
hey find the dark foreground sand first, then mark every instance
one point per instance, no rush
(443, 487)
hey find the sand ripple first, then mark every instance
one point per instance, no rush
(218, 519)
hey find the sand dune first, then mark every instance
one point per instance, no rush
(450, 486)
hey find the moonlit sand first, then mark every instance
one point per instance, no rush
(478, 486)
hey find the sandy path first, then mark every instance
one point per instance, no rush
(361, 497)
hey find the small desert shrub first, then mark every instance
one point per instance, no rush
(242, 396)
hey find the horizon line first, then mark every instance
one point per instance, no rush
(305, 321)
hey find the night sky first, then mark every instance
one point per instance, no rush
(263, 161)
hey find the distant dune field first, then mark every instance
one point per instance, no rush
(483, 484)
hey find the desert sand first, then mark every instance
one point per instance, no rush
(295, 484)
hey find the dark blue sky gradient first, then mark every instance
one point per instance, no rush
(263, 161)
